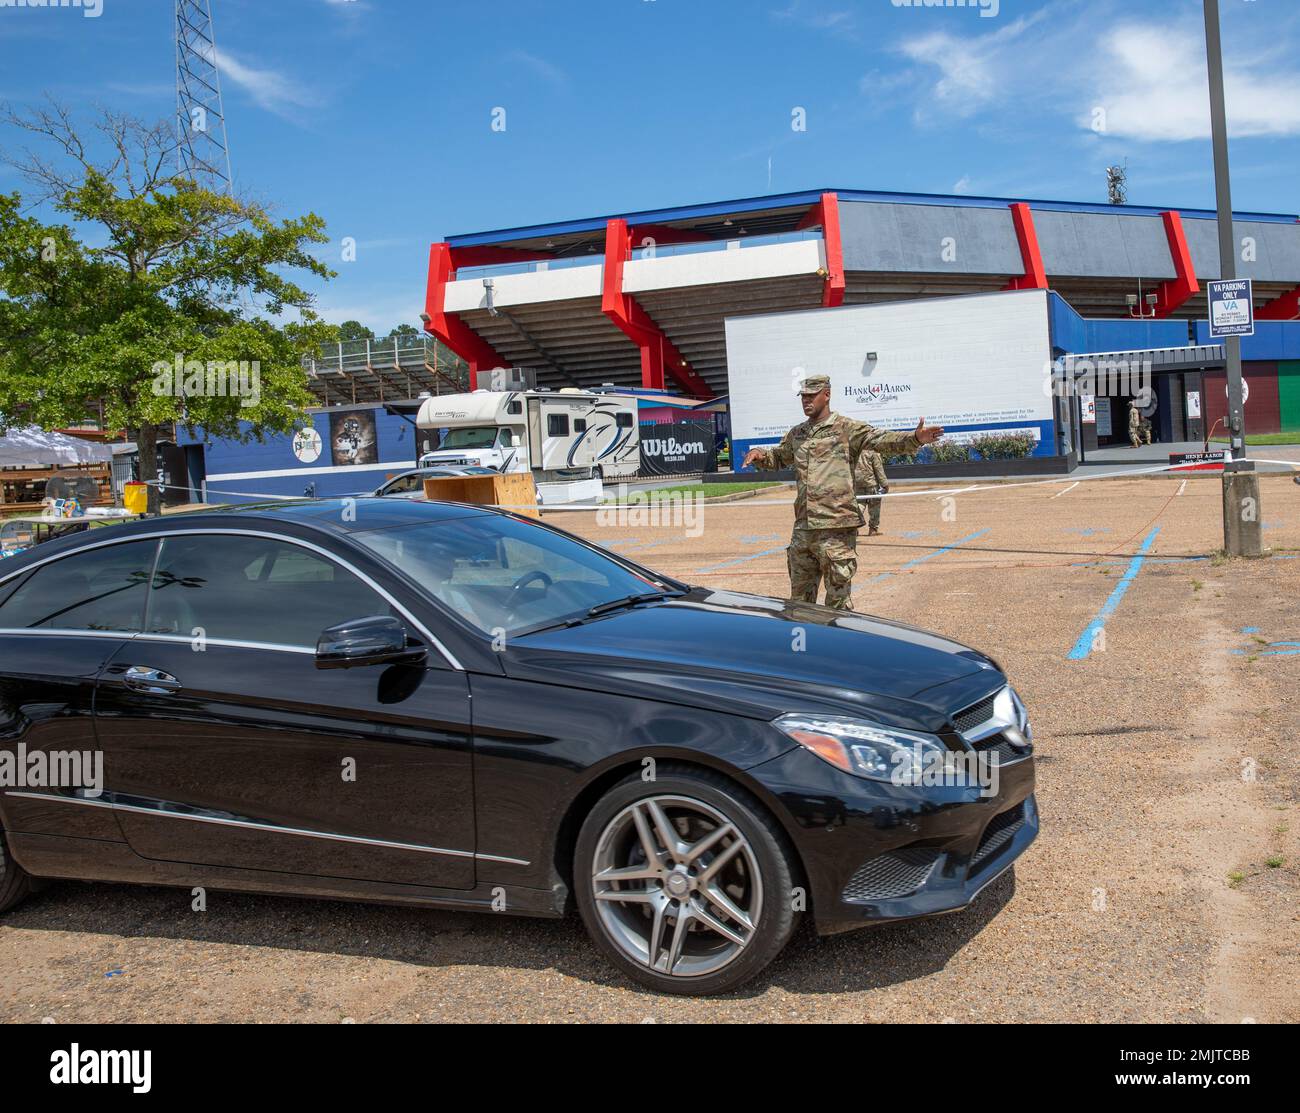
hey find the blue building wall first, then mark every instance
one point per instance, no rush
(238, 472)
(1073, 333)
(1272, 340)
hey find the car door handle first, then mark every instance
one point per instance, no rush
(144, 679)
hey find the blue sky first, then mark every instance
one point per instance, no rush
(377, 114)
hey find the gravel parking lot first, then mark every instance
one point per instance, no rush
(1164, 885)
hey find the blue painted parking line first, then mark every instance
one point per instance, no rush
(930, 556)
(741, 560)
(1083, 647)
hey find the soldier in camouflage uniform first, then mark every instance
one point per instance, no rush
(869, 479)
(1139, 428)
(827, 517)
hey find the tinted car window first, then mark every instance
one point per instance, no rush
(253, 589)
(99, 589)
(404, 483)
(494, 572)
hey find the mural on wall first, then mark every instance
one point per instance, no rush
(352, 438)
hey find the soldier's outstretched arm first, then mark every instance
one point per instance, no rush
(774, 458)
(863, 436)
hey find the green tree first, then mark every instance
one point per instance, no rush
(355, 330)
(153, 283)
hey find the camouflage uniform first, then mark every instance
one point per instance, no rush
(827, 517)
(1139, 428)
(869, 479)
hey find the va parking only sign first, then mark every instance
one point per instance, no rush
(1232, 308)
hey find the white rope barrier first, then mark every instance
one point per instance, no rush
(645, 498)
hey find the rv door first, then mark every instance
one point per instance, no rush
(536, 429)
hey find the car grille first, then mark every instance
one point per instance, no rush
(974, 715)
(1001, 830)
(997, 743)
(896, 874)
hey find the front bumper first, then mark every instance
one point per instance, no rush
(875, 852)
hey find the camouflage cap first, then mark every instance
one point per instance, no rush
(814, 383)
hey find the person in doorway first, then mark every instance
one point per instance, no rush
(1139, 428)
(827, 517)
(869, 479)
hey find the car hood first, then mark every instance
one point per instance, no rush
(762, 656)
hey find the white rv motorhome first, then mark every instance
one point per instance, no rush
(570, 440)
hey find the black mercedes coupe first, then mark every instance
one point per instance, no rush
(447, 705)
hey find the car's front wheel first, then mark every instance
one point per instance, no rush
(15, 883)
(686, 882)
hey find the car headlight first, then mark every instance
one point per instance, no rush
(865, 749)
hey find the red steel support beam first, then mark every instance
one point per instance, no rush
(1175, 291)
(1035, 276)
(660, 358)
(1284, 308)
(447, 327)
(826, 216)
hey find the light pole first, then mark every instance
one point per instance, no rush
(1241, 514)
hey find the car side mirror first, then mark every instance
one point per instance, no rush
(378, 640)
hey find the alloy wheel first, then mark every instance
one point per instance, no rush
(677, 886)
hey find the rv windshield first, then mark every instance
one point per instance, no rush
(476, 436)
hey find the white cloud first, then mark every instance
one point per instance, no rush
(382, 314)
(962, 184)
(547, 71)
(1155, 88)
(974, 70)
(1149, 77)
(839, 21)
(270, 89)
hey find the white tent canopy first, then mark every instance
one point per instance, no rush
(33, 447)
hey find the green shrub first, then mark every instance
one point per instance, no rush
(902, 458)
(1002, 446)
(949, 452)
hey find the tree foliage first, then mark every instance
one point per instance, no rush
(150, 270)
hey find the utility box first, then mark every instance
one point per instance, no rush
(515, 492)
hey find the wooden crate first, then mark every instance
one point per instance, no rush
(516, 491)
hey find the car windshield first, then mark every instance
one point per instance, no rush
(505, 576)
(477, 436)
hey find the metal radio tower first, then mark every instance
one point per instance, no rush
(1117, 184)
(201, 150)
